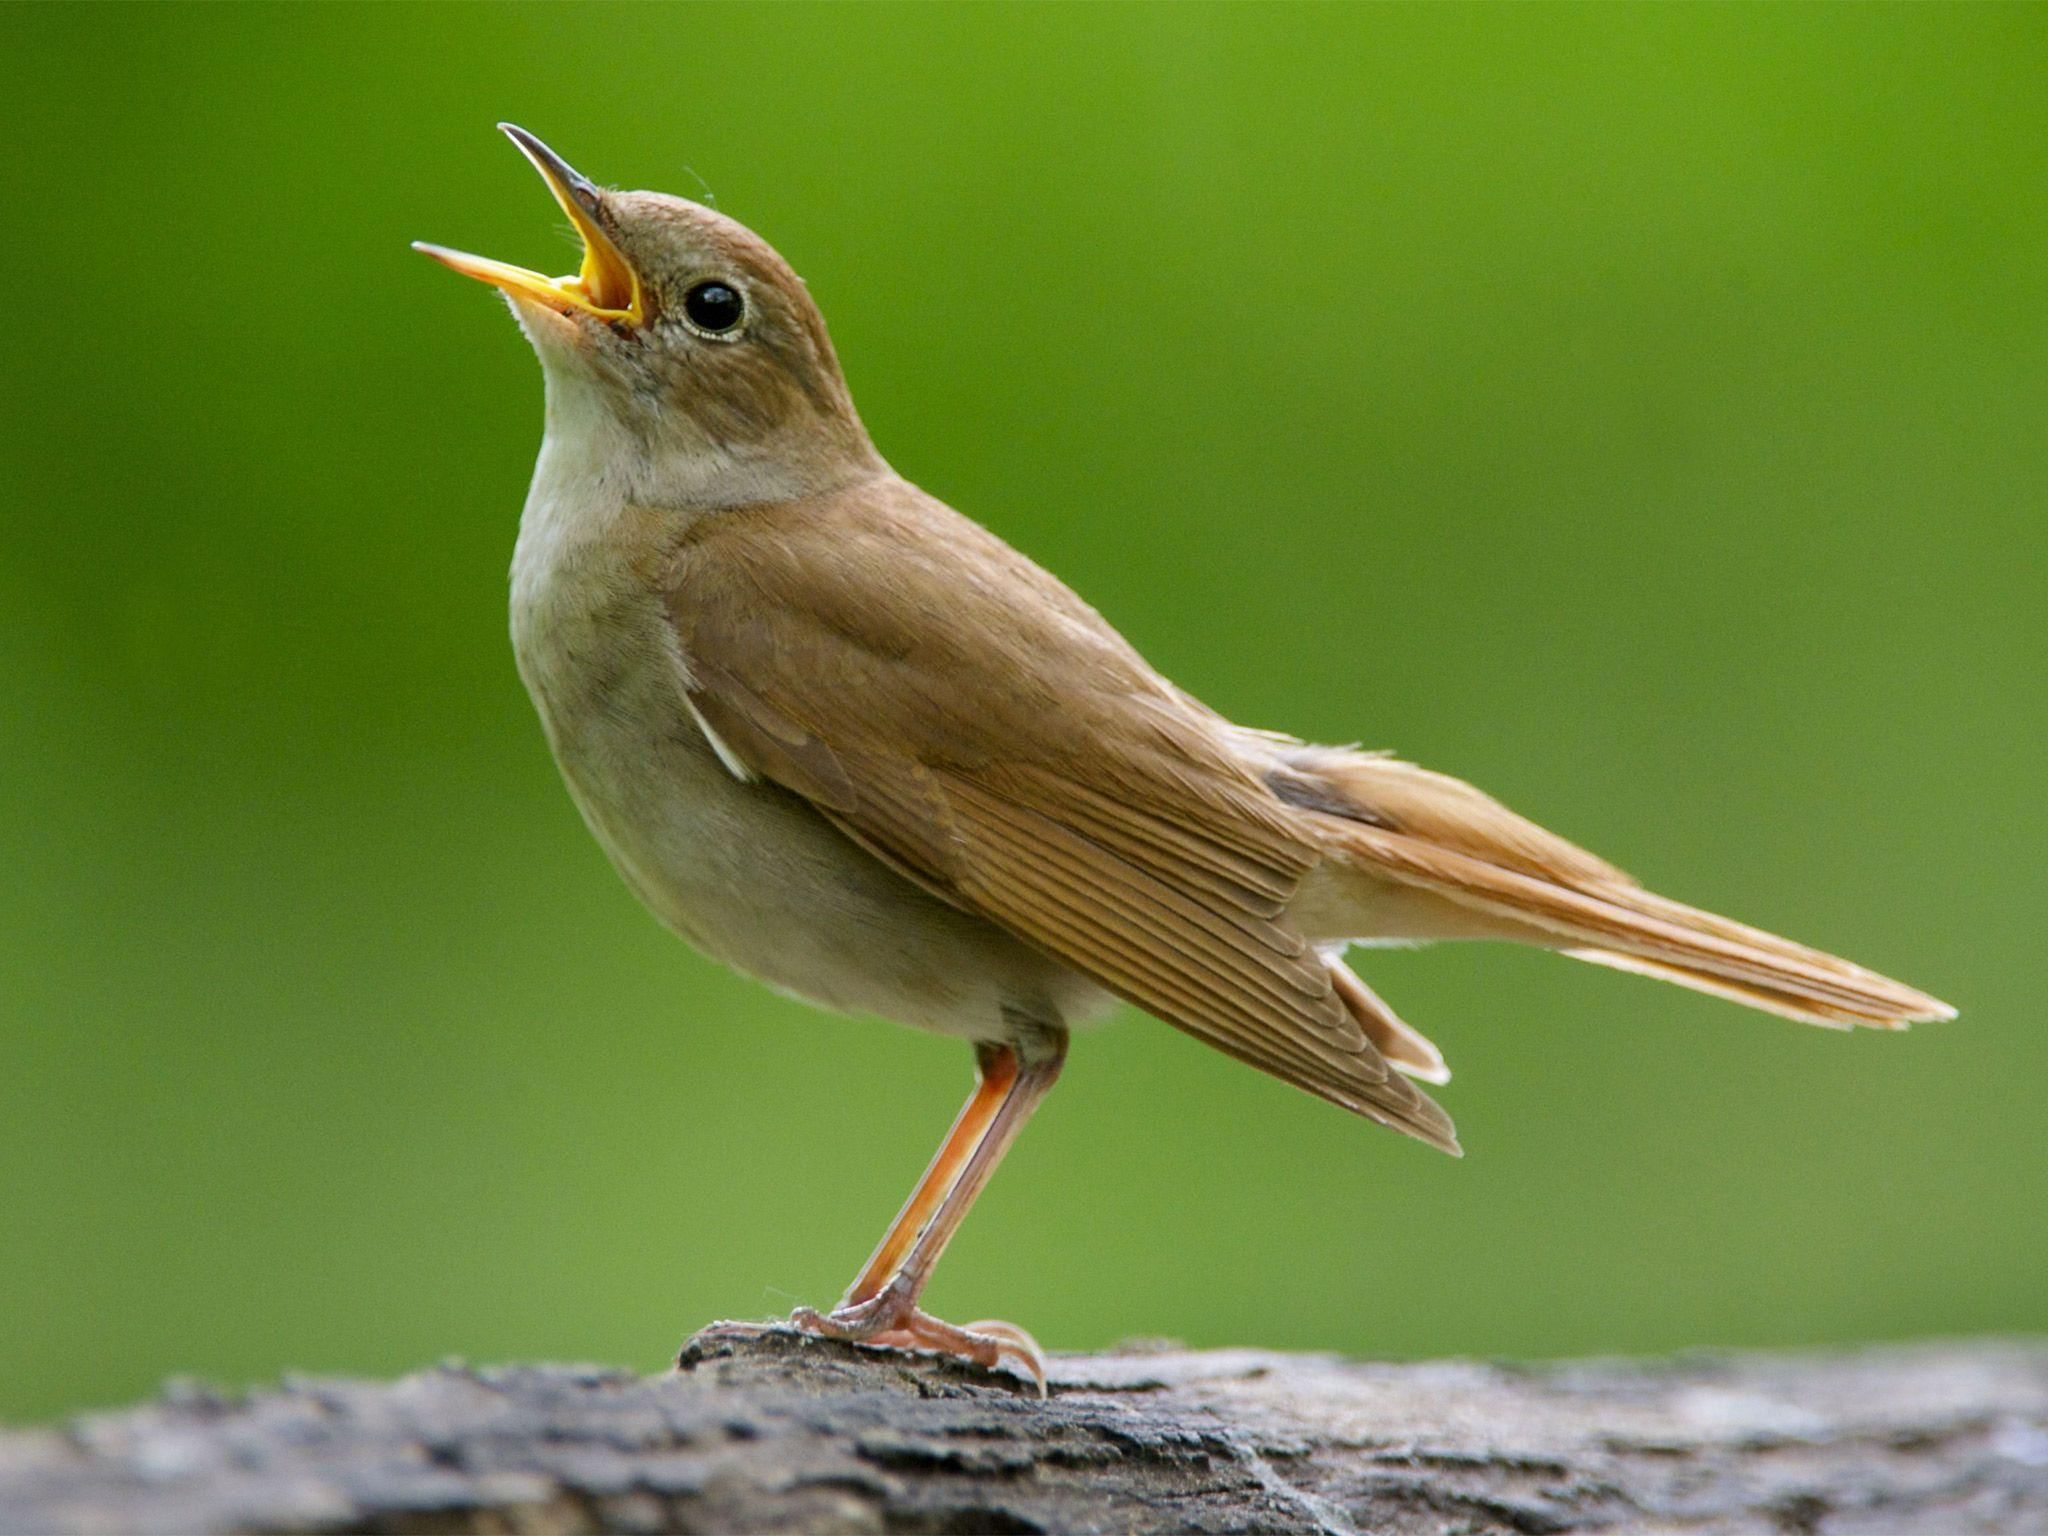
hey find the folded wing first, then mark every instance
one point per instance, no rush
(1021, 761)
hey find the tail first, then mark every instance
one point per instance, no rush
(1406, 1048)
(1436, 835)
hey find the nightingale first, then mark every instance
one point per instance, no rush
(845, 740)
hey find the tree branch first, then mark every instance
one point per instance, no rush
(784, 1433)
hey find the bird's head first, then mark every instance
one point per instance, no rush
(687, 339)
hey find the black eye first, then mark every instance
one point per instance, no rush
(714, 307)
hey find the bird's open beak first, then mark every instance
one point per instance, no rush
(606, 289)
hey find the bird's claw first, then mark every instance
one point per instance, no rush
(892, 1322)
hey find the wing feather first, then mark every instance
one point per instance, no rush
(870, 654)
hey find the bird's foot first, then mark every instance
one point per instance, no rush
(892, 1320)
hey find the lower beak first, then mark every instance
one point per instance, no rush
(607, 288)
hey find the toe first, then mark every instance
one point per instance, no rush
(862, 1323)
(1014, 1344)
(986, 1344)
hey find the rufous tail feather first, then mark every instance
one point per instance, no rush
(1407, 1050)
(1395, 822)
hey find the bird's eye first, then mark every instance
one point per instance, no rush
(714, 308)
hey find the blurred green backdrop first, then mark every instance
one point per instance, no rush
(1639, 412)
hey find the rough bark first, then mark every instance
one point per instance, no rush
(782, 1433)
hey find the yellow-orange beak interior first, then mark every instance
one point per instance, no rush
(607, 287)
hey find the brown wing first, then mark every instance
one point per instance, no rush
(971, 722)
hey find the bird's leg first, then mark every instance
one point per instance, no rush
(997, 1072)
(880, 1306)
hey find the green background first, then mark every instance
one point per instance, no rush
(1638, 412)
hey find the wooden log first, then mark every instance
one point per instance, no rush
(790, 1434)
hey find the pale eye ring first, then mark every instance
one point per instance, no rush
(715, 310)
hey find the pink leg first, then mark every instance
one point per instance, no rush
(881, 1305)
(997, 1076)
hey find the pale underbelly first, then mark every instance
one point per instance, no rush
(755, 878)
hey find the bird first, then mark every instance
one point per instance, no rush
(845, 740)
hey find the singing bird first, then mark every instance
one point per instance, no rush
(843, 739)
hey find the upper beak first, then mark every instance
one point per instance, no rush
(607, 288)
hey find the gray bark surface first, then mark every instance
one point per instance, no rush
(789, 1434)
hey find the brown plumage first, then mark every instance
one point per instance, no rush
(966, 718)
(1440, 835)
(843, 738)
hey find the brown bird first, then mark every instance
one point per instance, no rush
(843, 739)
